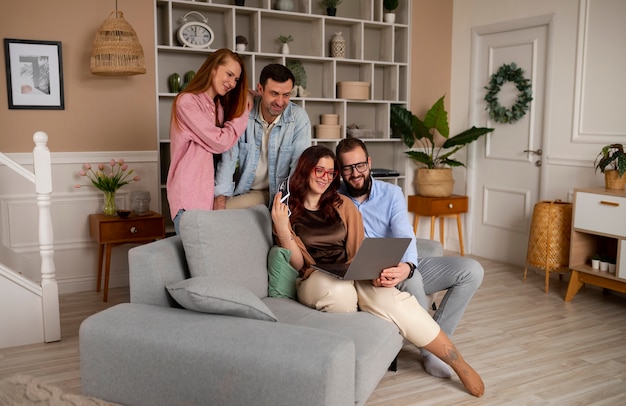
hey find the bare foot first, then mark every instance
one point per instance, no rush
(470, 378)
(443, 348)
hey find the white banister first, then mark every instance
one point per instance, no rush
(43, 187)
(42, 179)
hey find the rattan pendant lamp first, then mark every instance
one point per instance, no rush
(116, 50)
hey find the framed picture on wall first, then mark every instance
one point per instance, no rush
(34, 73)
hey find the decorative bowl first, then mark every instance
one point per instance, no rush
(123, 213)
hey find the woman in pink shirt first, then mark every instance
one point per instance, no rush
(208, 117)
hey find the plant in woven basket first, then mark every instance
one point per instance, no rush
(611, 161)
(435, 178)
(417, 132)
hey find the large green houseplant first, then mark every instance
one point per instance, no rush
(420, 133)
(611, 161)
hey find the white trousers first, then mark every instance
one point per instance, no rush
(329, 294)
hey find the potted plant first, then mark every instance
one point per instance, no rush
(611, 161)
(434, 178)
(241, 43)
(331, 6)
(299, 87)
(285, 40)
(390, 6)
(595, 261)
(612, 263)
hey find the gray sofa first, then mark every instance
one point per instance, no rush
(152, 351)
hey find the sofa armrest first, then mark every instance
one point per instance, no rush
(428, 248)
(139, 354)
(153, 266)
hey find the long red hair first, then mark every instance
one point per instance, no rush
(299, 183)
(234, 102)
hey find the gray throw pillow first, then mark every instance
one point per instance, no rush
(207, 295)
(229, 245)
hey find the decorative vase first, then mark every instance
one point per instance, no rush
(241, 47)
(175, 83)
(331, 11)
(284, 5)
(337, 46)
(109, 204)
(285, 49)
(389, 18)
(434, 182)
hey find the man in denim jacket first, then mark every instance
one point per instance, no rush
(278, 131)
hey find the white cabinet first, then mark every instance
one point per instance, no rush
(598, 227)
(375, 52)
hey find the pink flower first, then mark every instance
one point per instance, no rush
(108, 180)
(77, 186)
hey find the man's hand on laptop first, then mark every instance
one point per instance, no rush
(390, 277)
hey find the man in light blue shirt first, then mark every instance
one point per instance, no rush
(278, 131)
(384, 211)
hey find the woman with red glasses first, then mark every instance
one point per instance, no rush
(318, 225)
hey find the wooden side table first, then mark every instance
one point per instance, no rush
(440, 207)
(111, 231)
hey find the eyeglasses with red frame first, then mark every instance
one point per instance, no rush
(321, 172)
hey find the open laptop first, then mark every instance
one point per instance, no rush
(374, 255)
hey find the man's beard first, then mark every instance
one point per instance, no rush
(358, 192)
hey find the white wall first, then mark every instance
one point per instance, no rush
(571, 148)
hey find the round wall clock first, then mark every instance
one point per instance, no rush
(195, 34)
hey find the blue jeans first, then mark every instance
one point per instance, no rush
(176, 221)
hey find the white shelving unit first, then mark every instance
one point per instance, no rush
(376, 52)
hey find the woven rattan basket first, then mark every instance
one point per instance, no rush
(613, 181)
(116, 50)
(434, 182)
(549, 240)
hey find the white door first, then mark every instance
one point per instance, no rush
(505, 179)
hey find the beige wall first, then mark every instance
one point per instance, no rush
(431, 53)
(101, 113)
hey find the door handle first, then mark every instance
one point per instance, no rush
(538, 152)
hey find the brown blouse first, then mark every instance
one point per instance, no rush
(350, 217)
(324, 240)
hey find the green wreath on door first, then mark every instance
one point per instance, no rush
(508, 73)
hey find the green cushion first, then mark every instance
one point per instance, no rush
(208, 295)
(282, 276)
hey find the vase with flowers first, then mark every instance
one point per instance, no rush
(108, 181)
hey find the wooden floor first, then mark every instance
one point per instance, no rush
(531, 348)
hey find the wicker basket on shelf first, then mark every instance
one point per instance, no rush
(116, 50)
(549, 239)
